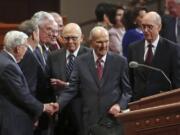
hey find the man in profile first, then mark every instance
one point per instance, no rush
(19, 109)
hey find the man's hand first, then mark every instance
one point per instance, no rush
(56, 83)
(55, 106)
(51, 108)
(115, 110)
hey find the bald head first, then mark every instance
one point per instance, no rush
(99, 39)
(72, 36)
(96, 31)
(151, 26)
(72, 28)
(154, 17)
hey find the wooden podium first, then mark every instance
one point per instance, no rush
(155, 115)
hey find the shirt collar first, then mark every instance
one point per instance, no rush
(30, 47)
(11, 55)
(154, 43)
(96, 57)
(75, 53)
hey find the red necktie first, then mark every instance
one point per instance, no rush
(99, 68)
(149, 55)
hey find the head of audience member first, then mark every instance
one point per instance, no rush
(15, 42)
(133, 18)
(103, 11)
(31, 29)
(151, 26)
(72, 36)
(59, 21)
(48, 28)
(173, 6)
(99, 40)
(116, 17)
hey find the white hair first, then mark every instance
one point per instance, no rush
(95, 30)
(13, 39)
(41, 17)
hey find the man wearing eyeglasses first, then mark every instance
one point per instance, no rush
(60, 65)
(157, 52)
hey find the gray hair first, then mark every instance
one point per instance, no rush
(95, 30)
(13, 39)
(28, 27)
(41, 16)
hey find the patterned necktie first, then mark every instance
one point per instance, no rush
(69, 66)
(99, 68)
(149, 55)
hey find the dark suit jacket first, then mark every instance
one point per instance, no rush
(18, 106)
(169, 28)
(98, 96)
(57, 69)
(148, 82)
(56, 63)
(30, 68)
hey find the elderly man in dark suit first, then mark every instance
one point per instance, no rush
(101, 78)
(59, 67)
(171, 21)
(30, 72)
(18, 107)
(157, 52)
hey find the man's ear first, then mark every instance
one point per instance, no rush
(33, 35)
(82, 38)
(160, 26)
(16, 50)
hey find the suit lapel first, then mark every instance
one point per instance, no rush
(62, 65)
(140, 50)
(107, 67)
(140, 58)
(92, 67)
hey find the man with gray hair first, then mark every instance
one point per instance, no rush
(101, 78)
(15, 97)
(59, 20)
(157, 52)
(30, 72)
(48, 32)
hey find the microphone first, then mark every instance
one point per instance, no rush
(134, 64)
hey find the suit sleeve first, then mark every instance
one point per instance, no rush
(125, 87)
(175, 77)
(18, 91)
(72, 90)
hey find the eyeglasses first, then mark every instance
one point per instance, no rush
(71, 37)
(147, 26)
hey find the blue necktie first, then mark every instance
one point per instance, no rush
(69, 66)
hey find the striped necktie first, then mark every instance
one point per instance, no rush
(69, 65)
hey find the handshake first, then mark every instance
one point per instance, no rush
(51, 108)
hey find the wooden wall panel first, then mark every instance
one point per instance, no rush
(15, 11)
